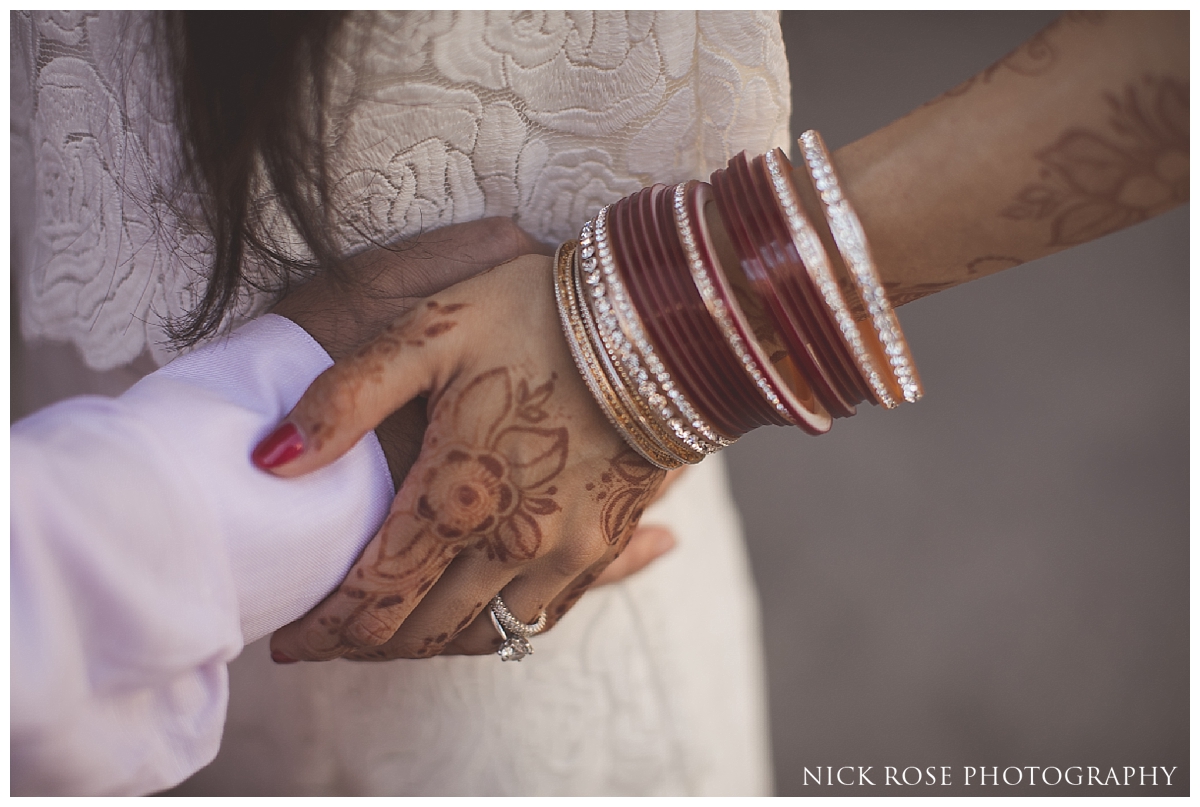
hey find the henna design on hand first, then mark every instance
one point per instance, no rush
(1092, 184)
(623, 491)
(485, 477)
(899, 292)
(488, 477)
(1009, 261)
(337, 401)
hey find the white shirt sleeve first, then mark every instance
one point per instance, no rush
(146, 549)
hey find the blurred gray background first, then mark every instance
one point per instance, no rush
(997, 575)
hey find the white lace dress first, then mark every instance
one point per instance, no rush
(652, 686)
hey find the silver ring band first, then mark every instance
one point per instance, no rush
(515, 633)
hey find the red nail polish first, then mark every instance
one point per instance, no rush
(282, 445)
(280, 657)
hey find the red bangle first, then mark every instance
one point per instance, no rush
(734, 204)
(788, 394)
(795, 279)
(637, 269)
(730, 383)
(659, 328)
(704, 375)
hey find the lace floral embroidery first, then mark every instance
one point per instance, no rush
(439, 117)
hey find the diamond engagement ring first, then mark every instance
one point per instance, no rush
(514, 632)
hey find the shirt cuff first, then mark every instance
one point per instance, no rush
(289, 541)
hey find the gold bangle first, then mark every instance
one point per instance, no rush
(650, 386)
(617, 354)
(572, 315)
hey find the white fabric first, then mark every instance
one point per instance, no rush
(439, 117)
(139, 569)
(652, 686)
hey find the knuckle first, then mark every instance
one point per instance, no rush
(572, 558)
(367, 630)
(504, 235)
(331, 395)
(342, 396)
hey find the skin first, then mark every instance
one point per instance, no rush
(513, 486)
(342, 311)
(1078, 133)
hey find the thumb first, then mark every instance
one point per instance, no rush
(647, 544)
(357, 393)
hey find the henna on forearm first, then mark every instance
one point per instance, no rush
(1092, 183)
(1078, 133)
(1032, 58)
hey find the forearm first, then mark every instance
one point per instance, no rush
(1081, 131)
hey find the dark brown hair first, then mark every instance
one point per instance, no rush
(250, 93)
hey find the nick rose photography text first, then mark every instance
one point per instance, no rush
(1074, 775)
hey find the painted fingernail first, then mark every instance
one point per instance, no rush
(280, 446)
(279, 657)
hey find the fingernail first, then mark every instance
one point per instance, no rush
(280, 446)
(279, 657)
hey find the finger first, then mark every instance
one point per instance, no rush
(525, 602)
(647, 545)
(387, 582)
(531, 592)
(461, 594)
(570, 595)
(357, 393)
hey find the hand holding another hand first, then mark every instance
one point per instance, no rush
(521, 485)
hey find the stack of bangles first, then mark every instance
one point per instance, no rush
(686, 352)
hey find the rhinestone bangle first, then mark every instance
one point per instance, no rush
(581, 339)
(851, 242)
(816, 261)
(622, 335)
(594, 302)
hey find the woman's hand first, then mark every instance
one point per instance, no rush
(342, 309)
(521, 487)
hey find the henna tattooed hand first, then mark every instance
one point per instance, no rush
(521, 486)
(343, 309)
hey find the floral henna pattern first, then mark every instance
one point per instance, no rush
(486, 478)
(986, 264)
(900, 293)
(622, 491)
(1090, 184)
